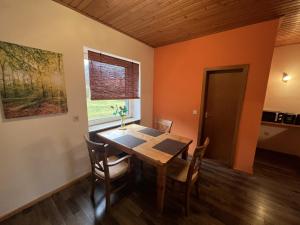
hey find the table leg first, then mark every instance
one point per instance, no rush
(184, 154)
(161, 187)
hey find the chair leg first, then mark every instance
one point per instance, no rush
(173, 184)
(107, 195)
(197, 186)
(131, 176)
(141, 167)
(187, 200)
(93, 187)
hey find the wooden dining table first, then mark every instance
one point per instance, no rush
(151, 146)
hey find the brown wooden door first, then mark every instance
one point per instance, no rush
(223, 102)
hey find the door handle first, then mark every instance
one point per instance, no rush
(206, 115)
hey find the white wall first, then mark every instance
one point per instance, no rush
(284, 97)
(40, 154)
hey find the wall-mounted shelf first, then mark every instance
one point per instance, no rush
(280, 124)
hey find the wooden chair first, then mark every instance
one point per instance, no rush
(163, 125)
(105, 168)
(186, 173)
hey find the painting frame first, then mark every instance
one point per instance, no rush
(32, 82)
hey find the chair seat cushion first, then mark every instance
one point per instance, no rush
(178, 170)
(115, 171)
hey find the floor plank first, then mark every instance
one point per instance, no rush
(270, 197)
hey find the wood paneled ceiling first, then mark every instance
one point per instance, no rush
(161, 22)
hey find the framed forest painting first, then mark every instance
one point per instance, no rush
(32, 81)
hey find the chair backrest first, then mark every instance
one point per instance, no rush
(98, 155)
(195, 164)
(163, 125)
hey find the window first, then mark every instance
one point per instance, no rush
(100, 111)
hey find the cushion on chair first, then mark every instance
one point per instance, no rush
(114, 171)
(178, 170)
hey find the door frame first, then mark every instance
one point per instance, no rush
(243, 69)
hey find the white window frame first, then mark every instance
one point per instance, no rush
(133, 105)
(94, 122)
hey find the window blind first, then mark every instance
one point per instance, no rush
(112, 78)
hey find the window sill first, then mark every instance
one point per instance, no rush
(109, 125)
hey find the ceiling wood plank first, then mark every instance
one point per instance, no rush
(162, 22)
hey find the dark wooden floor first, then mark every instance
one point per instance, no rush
(271, 196)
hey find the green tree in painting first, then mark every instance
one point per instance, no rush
(32, 81)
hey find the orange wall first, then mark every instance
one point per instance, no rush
(178, 75)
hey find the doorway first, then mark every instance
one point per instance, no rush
(222, 100)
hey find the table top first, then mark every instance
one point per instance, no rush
(147, 142)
